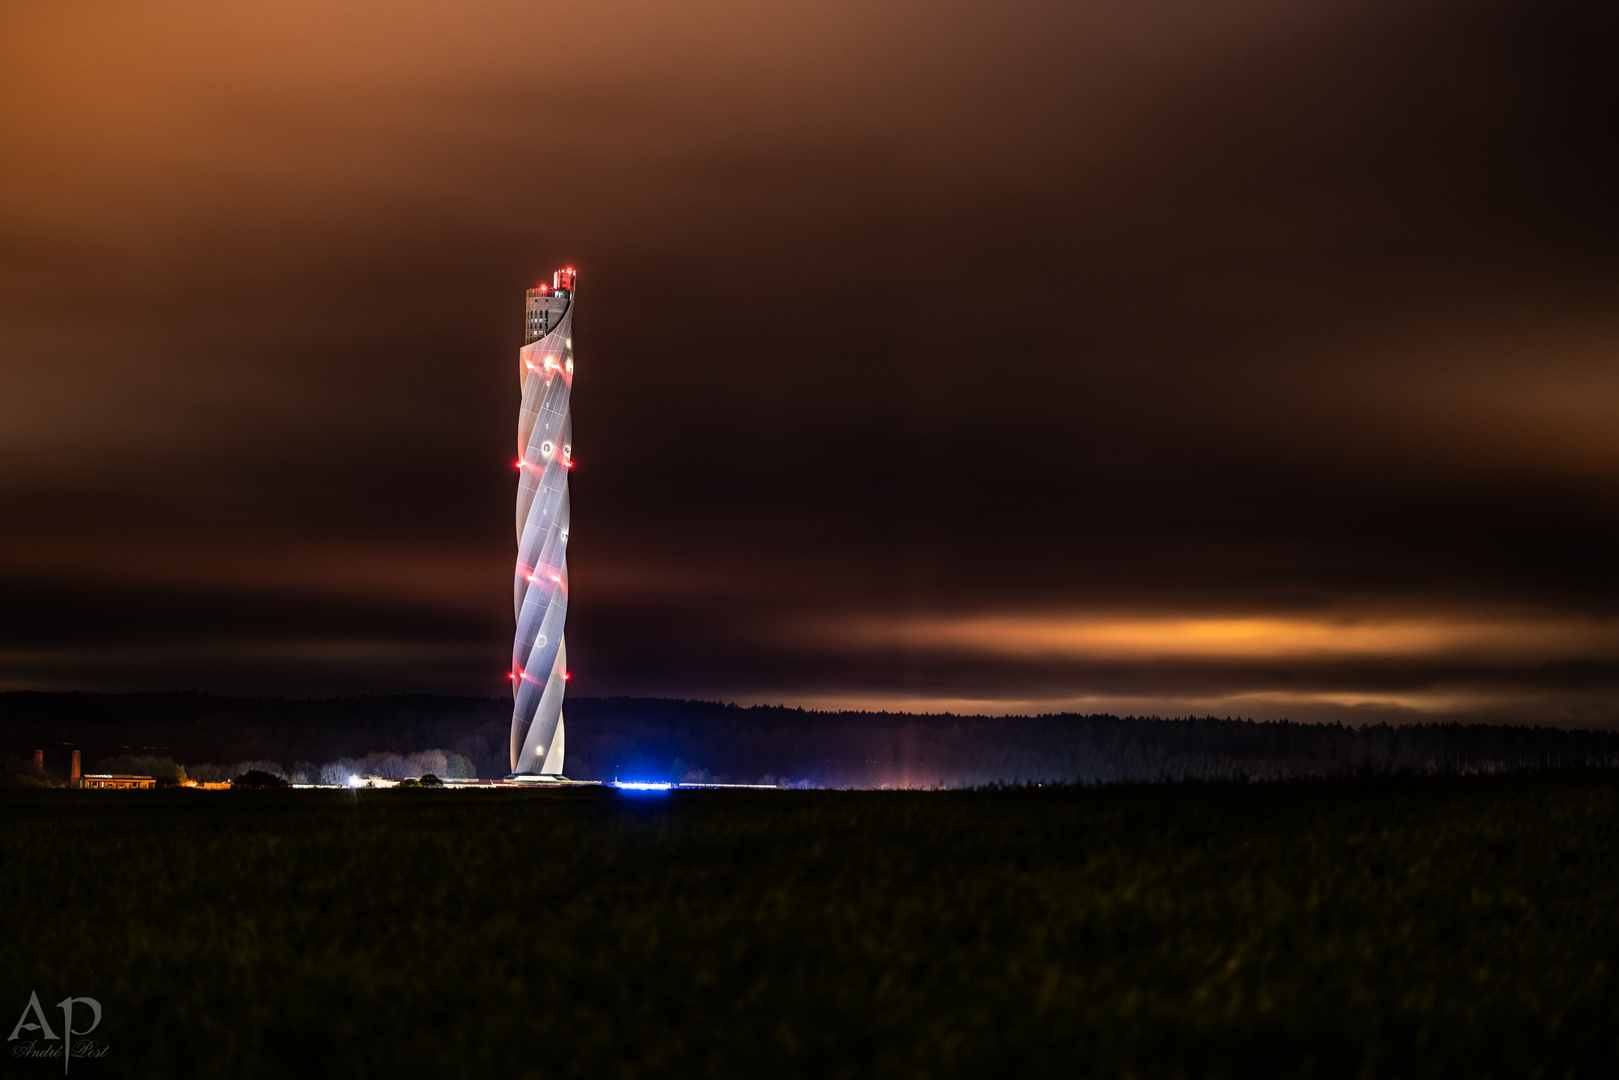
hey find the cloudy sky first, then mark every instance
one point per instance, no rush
(1256, 358)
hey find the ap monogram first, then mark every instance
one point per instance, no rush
(39, 1023)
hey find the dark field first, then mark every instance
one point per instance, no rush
(1373, 927)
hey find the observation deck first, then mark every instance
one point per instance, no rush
(546, 306)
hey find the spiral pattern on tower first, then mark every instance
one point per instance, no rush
(540, 588)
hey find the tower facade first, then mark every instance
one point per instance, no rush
(540, 588)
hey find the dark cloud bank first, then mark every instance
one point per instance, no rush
(1194, 331)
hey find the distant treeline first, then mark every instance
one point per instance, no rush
(650, 738)
(645, 738)
(202, 729)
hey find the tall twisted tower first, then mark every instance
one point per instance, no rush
(540, 589)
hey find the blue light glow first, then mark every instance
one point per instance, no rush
(640, 785)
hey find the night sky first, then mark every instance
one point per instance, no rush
(1251, 358)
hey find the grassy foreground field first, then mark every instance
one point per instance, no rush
(1406, 927)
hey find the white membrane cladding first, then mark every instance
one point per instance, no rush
(540, 587)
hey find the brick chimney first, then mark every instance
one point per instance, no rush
(73, 780)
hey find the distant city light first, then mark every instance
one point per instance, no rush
(354, 781)
(640, 785)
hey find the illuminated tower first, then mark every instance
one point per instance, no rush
(540, 588)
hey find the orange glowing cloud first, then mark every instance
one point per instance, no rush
(1486, 637)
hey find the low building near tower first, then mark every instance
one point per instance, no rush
(117, 780)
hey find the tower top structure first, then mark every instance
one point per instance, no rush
(547, 304)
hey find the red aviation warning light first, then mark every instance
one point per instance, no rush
(563, 279)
